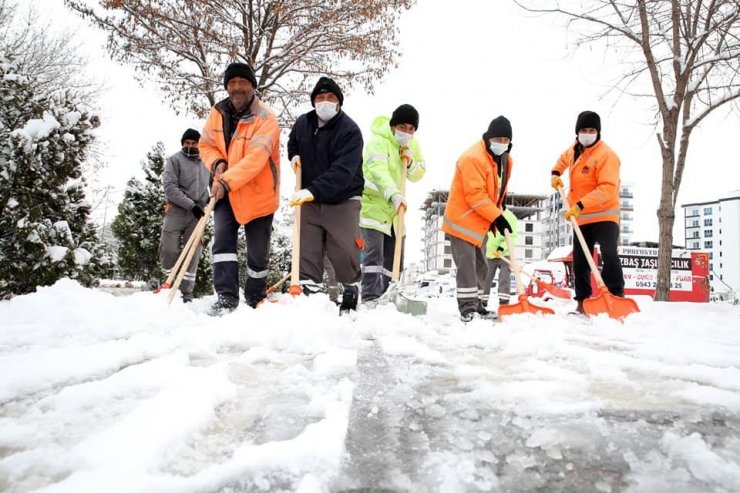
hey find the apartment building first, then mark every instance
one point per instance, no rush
(557, 231)
(714, 227)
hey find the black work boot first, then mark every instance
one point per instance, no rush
(349, 299)
(485, 314)
(223, 305)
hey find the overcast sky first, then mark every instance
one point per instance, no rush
(461, 67)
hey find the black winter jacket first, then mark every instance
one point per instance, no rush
(331, 156)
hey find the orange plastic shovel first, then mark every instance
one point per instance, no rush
(553, 290)
(604, 302)
(524, 306)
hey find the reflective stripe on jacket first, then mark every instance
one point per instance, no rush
(382, 170)
(594, 181)
(474, 202)
(253, 157)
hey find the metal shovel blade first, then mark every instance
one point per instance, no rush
(403, 303)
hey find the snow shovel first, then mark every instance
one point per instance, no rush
(295, 259)
(274, 287)
(524, 306)
(403, 303)
(193, 242)
(553, 290)
(604, 302)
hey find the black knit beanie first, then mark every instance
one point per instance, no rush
(190, 134)
(324, 85)
(588, 119)
(405, 114)
(499, 127)
(238, 69)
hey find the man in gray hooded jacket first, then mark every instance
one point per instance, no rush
(185, 182)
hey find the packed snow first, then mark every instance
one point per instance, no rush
(127, 394)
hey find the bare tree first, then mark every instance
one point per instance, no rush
(689, 52)
(50, 57)
(184, 45)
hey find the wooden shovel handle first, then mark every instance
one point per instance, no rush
(582, 241)
(295, 259)
(398, 250)
(196, 237)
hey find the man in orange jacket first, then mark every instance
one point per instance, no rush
(475, 206)
(240, 147)
(593, 169)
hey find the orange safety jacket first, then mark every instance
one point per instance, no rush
(475, 200)
(594, 182)
(253, 158)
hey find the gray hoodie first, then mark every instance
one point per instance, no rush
(185, 181)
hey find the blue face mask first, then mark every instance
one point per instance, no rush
(498, 148)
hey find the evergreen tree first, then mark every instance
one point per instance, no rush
(138, 225)
(44, 229)
(138, 228)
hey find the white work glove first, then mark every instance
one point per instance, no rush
(301, 197)
(398, 202)
(408, 154)
(295, 163)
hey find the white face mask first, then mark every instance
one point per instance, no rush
(402, 137)
(326, 110)
(498, 148)
(587, 139)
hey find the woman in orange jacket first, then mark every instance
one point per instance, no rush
(474, 207)
(593, 170)
(240, 146)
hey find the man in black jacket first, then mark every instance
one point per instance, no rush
(327, 145)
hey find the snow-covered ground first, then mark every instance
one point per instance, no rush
(100, 393)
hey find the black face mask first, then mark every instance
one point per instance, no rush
(190, 151)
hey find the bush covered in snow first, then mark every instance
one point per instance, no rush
(44, 228)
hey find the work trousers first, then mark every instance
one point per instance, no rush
(177, 227)
(606, 234)
(377, 266)
(472, 271)
(331, 231)
(226, 262)
(504, 281)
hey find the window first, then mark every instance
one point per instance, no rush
(708, 244)
(710, 255)
(695, 234)
(707, 211)
(695, 245)
(448, 250)
(527, 253)
(707, 233)
(448, 262)
(695, 223)
(708, 222)
(694, 212)
(528, 228)
(528, 240)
